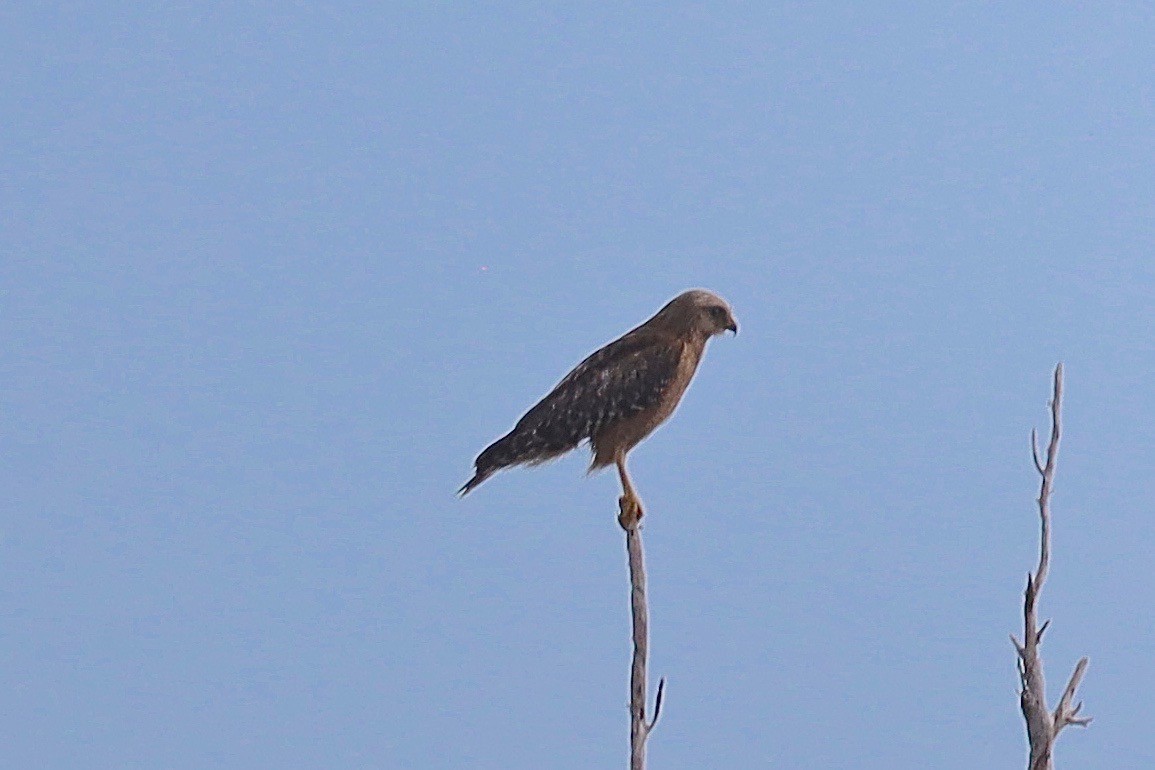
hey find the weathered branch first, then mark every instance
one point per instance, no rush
(1043, 725)
(640, 728)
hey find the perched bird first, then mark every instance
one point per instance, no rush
(617, 396)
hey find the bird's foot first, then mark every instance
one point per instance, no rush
(630, 511)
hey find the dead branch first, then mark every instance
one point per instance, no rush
(640, 728)
(1043, 725)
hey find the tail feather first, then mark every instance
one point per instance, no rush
(492, 459)
(518, 447)
(478, 477)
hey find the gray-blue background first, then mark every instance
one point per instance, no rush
(272, 273)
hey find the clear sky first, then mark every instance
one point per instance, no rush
(272, 274)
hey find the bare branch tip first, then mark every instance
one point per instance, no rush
(1035, 452)
(1043, 726)
(657, 704)
(1073, 685)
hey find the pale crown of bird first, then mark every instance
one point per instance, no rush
(698, 312)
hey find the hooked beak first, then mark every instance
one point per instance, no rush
(732, 326)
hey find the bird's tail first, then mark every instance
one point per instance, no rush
(478, 477)
(495, 457)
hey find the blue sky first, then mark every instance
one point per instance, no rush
(271, 275)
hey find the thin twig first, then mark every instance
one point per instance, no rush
(639, 727)
(1043, 726)
(658, 703)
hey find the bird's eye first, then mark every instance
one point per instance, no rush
(718, 312)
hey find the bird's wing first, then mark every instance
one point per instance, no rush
(619, 380)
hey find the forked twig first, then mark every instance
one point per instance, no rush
(1043, 725)
(640, 728)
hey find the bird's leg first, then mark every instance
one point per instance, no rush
(629, 504)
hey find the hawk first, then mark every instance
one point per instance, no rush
(617, 396)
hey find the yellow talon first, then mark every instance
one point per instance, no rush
(630, 511)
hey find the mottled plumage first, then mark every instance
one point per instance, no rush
(618, 395)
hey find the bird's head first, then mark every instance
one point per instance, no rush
(698, 312)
